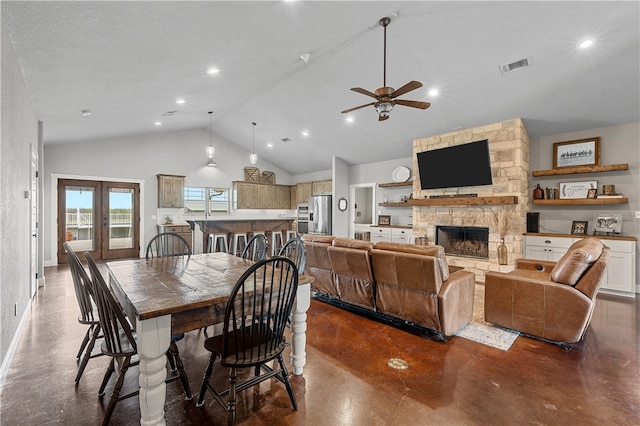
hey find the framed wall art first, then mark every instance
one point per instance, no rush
(608, 224)
(581, 152)
(572, 190)
(384, 220)
(579, 227)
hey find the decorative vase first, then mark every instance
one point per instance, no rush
(538, 193)
(502, 253)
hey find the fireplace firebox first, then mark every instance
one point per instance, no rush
(468, 241)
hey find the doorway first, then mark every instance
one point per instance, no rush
(100, 217)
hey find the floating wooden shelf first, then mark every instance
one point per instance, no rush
(580, 169)
(395, 184)
(582, 201)
(463, 201)
(399, 204)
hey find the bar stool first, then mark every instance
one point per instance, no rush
(276, 242)
(238, 243)
(218, 242)
(291, 233)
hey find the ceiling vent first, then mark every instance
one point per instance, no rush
(286, 140)
(513, 66)
(169, 113)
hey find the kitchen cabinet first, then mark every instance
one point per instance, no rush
(303, 191)
(170, 191)
(621, 268)
(184, 230)
(249, 195)
(321, 187)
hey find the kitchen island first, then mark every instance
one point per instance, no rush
(231, 226)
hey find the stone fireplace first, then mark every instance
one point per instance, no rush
(509, 152)
(468, 241)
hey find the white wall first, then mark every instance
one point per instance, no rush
(340, 227)
(18, 132)
(141, 158)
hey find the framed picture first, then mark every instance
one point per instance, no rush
(384, 220)
(581, 152)
(608, 224)
(592, 193)
(579, 227)
(572, 190)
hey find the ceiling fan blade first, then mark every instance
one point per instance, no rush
(383, 117)
(364, 92)
(355, 108)
(413, 104)
(412, 85)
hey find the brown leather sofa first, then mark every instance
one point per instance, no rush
(550, 300)
(318, 265)
(415, 283)
(407, 282)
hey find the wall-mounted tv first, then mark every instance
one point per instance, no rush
(466, 164)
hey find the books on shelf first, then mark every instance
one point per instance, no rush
(610, 196)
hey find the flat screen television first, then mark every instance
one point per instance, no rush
(466, 164)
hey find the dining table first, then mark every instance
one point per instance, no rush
(165, 296)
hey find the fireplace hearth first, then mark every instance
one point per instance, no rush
(468, 241)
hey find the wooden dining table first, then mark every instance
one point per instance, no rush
(172, 295)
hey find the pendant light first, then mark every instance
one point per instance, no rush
(253, 158)
(211, 151)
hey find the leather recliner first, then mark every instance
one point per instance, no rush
(317, 263)
(550, 300)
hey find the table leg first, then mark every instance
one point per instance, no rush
(299, 328)
(154, 337)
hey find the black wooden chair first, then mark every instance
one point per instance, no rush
(256, 248)
(88, 312)
(120, 342)
(255, 320)
(168, 244)
(295, 251)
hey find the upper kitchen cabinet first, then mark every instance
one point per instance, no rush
(303, 191)
(249, 195)
(321, 187)
(170, 191)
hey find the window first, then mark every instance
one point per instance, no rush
(205, 200)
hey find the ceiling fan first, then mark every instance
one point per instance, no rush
(386, 96)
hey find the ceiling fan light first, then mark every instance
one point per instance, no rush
(384, 108)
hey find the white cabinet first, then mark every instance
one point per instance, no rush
(380, 234)
(546, 248)
(621, 267)
(400, 235)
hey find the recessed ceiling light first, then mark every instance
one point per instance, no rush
(269, 145)
(349, 119)
(433, 92)
(180, 101)
(158, 123)
(305, 133)
(588, 42)
(212, 71)
(86, 112)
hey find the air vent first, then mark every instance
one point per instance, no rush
(513, 66)
(169, 113)
(286, 140)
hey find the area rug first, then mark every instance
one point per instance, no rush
(483, 332)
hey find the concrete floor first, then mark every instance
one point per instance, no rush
(346, 380)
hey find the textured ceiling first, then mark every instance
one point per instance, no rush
(129, 61)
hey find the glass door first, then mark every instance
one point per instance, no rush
(99, 217)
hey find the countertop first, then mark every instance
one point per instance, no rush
(601, 236)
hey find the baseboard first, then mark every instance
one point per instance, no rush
(41, 282)
(6, 362)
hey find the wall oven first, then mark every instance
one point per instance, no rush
(303, 218)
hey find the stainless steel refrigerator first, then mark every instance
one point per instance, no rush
(320, 214)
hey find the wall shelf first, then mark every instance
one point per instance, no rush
(580, 169)
(399, 204)
(395, 184)
(582, 201)
(463, 201)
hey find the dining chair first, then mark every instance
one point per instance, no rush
(294, 250)
(255, 320)
(168, 244)
(256, 248)
(119, 342)
(88, 312)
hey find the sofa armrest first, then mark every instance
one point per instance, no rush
(455, 301)
(535, 265)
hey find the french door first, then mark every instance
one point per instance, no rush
(102, 218)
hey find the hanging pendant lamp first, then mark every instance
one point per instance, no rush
(253, 158)
(211, 151)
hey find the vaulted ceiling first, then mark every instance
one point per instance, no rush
(128, 62)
